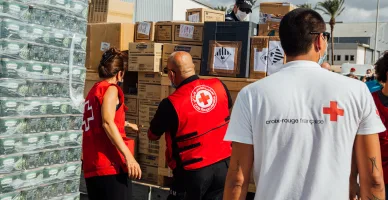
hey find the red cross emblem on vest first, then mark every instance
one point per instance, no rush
(333, 111)
(89, 116)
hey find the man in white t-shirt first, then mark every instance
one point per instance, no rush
(298, 127)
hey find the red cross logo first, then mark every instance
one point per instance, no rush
(204, 98)
(90, 116)
(333, 111)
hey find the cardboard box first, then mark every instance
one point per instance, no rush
(110, 11)
(132, 104)
(276, 8)
(269, 29)
(195, 52)
(147, 110)
(149, 174)
(194, 37)
(224, 58)
(259, 57)
(133, 145)
(91, 78)
(148, 147)
(204, 15)
(169, 32)
(152, 92)
(145, 159)
(145, 63)
(276, 56)
(150, 78)
(145, 48)
(102, 36)
(144, 31)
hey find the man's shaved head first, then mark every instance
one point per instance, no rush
(181, 62)
(182, 66)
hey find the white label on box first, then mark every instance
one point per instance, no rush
(276, 53)
(224, 58)
(194, 17)
(186, 31)
(261, 60)
(104, 46)
(275, 57)
(144, 28)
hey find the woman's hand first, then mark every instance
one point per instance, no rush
(134, 171)
(132, 126)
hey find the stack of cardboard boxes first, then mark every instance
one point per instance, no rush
(267, 55)
(145, 60)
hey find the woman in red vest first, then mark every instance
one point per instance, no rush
(381, 99)
(108, 163)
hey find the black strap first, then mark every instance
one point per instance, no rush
(192, 161)
(186, 136)
(191, 146)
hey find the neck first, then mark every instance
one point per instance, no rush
(302, 57)
(385, 90)
(111, 80)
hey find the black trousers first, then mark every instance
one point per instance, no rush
(112, 187)
(177, 189)
(206, 183)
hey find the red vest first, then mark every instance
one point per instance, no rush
(203, 114)
(383, 111)
(100, 156)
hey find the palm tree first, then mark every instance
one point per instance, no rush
(332, 8)
(221, 8)
(305, 5)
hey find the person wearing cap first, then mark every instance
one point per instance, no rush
(241, 9)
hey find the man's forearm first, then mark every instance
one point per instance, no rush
(372, 187)
(236, 186)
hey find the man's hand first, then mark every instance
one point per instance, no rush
(354, 190)
(132, 126)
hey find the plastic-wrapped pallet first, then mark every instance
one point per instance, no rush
(42, 76)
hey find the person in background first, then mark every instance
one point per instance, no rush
(369, 76)
(108, 163)
(300, 139)
(326, 65)
(241, 9)
(195, 118)
(381, 99)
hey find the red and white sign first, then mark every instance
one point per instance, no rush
(203, 99)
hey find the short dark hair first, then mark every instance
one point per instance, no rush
(112, 62)
(381, 68)
(295, 30)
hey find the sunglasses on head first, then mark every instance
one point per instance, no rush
(325, 34)
(165, 70)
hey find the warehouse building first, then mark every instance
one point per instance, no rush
(355, 42)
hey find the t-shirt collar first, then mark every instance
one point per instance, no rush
(301, 64)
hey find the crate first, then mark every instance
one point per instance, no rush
(204, 15)
(226, 48)
(110, 11)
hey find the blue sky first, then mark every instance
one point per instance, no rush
(356, 10)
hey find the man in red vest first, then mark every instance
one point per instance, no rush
(195, 118)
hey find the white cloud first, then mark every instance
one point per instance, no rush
(356, 10)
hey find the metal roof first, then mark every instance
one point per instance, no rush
(357, 29)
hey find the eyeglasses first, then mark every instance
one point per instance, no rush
(325, 34)
(165, 70)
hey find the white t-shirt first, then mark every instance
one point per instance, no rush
(302, 122)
